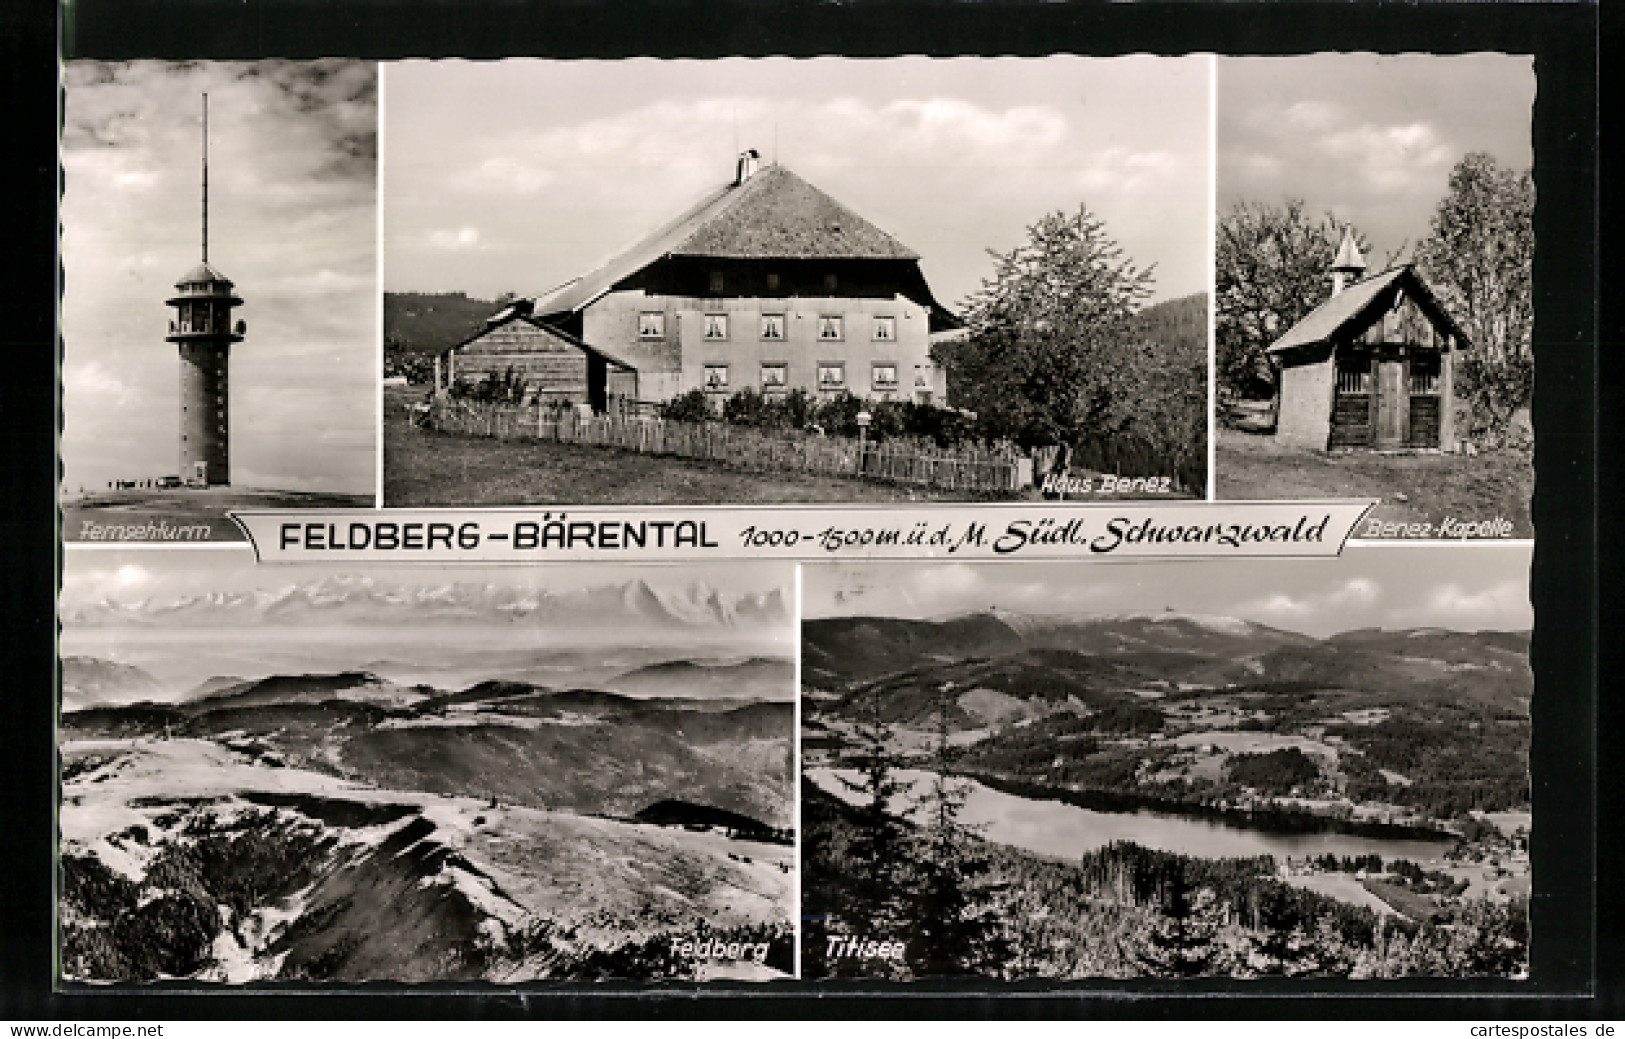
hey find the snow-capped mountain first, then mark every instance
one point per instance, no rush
(366, 600)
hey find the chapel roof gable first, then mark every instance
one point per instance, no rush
(1359, 304)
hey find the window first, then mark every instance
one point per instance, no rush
(772, 282)
(716, 377)
(773, 326)
(829, 328)
(1425, 374)
(831, 283)
(921, 377)
(831, 375)
(1354, 374)
(884, 377)
(652, 324)
(775, 376)
(716, 326)
(716, 281)
(885, 329)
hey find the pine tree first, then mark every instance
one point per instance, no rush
(955, 928)
(875, 892)
(1183, 939)
(1280, 945)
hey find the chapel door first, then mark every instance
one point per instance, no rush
(1393, 400)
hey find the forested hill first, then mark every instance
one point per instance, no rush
(425, 322)
(1178, 325)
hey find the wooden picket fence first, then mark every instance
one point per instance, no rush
(969, 468)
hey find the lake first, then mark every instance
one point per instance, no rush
(1062, 830)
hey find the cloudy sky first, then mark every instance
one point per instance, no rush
(519, 175)
(1369, 138)
(292, 220)
(1469, 589)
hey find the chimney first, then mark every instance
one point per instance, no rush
(749, 160)
(1349, 264)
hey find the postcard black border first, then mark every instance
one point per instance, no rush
(1575, 959)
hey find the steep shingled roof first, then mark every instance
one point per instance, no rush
(1357, 301)
(772, 215)
(777, 215)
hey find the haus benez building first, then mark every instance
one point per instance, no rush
(766, 283)
(1371, 368)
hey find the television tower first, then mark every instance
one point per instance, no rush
(202, 328)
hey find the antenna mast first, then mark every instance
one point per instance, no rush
(205, 178)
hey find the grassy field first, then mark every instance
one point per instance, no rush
(1411, 488)
(426, 468)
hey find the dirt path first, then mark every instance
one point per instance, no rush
(1411, 488)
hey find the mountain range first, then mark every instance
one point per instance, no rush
(367, 601)
(583, 750)
(1104, 658)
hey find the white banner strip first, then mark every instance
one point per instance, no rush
(1187, 530)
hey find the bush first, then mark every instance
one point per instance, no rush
(506, 388)
(745, 408)
(692, 406)
(417, 368)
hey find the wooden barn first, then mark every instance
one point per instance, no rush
(556, 367)
(1373, 367)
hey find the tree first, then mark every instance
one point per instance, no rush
(876, 892)
(955, 929)
(1270, 269)
(1182, 940)
(1282, 943)
(1048, 347)
(1479, 257)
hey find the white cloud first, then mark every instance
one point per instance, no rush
(455, 238)
(324, 282)
(1121, 171)
(505, 174)
(1502, 605)
(1387, 157)
(92, 381)
(1353, 596)
(946, 584)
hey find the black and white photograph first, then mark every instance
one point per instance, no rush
(1261, 769)
(219, 307)
(744, 281)
(315, 774)
(1373, 267)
